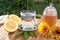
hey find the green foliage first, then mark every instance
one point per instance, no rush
(19, 34)
(30, 4)
(15, 6)
(12, 6)
(26, 34)
(32, 33)
(48, 1)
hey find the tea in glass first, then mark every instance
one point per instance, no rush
(28, 20)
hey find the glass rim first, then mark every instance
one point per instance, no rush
(25, 11)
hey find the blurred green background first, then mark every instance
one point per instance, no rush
(15, 6)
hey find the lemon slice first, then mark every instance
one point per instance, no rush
(15, 18)
(10, 25)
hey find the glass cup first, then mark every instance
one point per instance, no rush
(28, 20)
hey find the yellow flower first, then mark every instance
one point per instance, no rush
(43, 27)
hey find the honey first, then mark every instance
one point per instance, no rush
(50, 20)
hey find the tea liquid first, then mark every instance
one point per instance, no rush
(50, 20)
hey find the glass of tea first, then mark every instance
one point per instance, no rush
(28, 20)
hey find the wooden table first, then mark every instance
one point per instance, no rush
(12, 36)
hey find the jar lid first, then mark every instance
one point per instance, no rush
(50, 10)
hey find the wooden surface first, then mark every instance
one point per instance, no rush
(3, 34)
(12, 36)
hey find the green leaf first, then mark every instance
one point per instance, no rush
(32, 33)
(26, 35)
(19, 34)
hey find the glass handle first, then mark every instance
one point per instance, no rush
(38, 15)
(40, 18)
